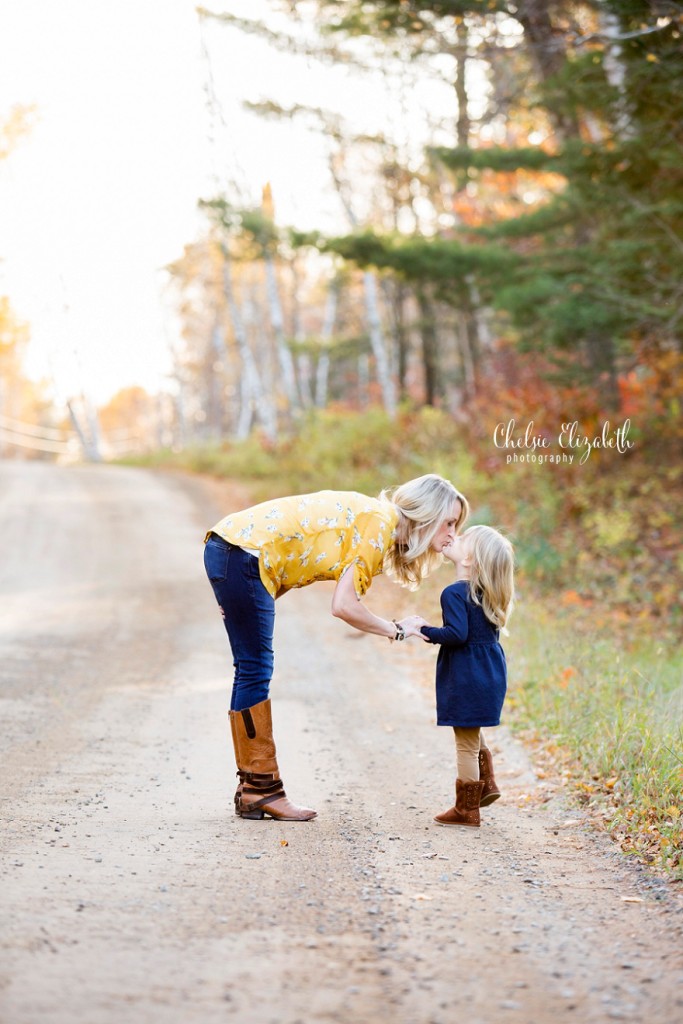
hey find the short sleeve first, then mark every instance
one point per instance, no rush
(369, 544)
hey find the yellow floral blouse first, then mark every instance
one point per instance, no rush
(311, 537)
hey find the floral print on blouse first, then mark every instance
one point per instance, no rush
(309, 537)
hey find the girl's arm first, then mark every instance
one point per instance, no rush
(455, 628)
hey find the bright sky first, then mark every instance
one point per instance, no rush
(103, 193)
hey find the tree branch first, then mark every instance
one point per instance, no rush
(613, 38)
(283, 41)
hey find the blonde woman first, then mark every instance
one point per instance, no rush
(471, 675)
(254, 556)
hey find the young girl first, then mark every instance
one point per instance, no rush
(471, 677)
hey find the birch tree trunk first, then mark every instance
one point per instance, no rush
(374, 322)
(253, 398)
(472, 317)
(481, 316)
(615, 70)
(379, 350)
(395, 295)
(285, 359)
(303, 359)
(323, 369)
(214, 417)
(304, 378)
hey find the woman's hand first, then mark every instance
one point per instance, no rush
(411, 625)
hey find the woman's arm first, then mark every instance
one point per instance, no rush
(346, 605)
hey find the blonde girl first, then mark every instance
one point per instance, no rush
(471, 675)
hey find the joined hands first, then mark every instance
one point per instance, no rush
(412, 624)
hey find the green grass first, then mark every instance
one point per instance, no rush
(336, 449)
(604, 702)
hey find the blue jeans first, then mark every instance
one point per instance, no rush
(248, 613)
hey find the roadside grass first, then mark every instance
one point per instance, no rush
(333, 449)
(596, 686)
(601, 704)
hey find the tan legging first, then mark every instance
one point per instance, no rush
(467, 745)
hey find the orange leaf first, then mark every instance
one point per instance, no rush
(566, 676)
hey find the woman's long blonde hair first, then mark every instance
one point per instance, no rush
(492, 582)
(423, 505)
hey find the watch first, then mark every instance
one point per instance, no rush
(400, 631)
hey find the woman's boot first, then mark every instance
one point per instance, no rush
(240, 773)
(491, 791)
(466, 810)
(262, 792)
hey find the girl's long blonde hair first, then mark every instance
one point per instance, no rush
(423, 504)
(492, 583)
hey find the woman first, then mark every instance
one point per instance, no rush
(255, 556)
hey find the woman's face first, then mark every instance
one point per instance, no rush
(445, 535)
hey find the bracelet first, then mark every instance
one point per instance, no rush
(400, 631)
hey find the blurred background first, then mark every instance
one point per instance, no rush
(214, 220)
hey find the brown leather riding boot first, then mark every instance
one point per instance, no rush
(466, 810)
(491, 791)
(262, 792)
(240, 773)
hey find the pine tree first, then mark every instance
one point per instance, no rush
(591, 275)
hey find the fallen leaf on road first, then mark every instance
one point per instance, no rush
(421, 896)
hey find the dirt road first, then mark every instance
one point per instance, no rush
(130, 893)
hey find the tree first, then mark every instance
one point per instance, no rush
(555, 224)
(592, 269)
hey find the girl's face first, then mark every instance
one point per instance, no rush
(445, 535)
(459, 552)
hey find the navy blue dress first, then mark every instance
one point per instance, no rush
(471, 674)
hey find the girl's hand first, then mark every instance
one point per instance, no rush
(411, 625)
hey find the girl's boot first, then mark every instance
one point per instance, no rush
(491, 791)
(466, 810)
(262, 791)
